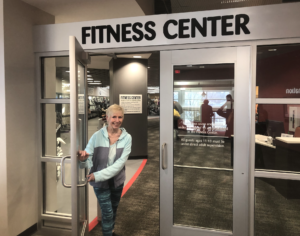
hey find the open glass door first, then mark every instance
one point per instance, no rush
(205, 142)
(63, 108)
(78, 116)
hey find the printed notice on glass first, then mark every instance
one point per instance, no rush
(80, 103)
(132, 103)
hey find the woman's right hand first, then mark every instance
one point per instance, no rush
(82, 155)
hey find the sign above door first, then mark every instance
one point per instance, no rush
(251, 23)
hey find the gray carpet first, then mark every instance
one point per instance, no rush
(277, 207)
(203, 197)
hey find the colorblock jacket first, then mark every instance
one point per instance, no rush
(98, 149)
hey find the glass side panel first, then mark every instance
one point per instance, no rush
(56, 130)
(203, 198)
(57, 198)
(55, 77)
(277, 137)
(203, 118)
(278, 71)
(277, 207)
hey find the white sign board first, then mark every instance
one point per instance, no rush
(81, 103)
(132, 103)
(227, 25)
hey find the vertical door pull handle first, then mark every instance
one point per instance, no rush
(63, 173)
(164, 157)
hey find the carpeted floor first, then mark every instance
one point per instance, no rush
(203, 197)
(277, 207)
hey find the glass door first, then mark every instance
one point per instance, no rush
(63, 109)
(78, 111)
(205, 142)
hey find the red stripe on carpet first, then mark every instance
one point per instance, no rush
(94, 222)
(131, 181)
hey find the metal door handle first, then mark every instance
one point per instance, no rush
(63, 172)
(163, 154)
(63, 175)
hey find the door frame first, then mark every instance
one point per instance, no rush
(252, 43)
(240, 57)
(63, 218)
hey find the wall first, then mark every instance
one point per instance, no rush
(129, 76)
(20, 95)
(3, 166)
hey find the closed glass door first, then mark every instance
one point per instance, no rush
(205, 130)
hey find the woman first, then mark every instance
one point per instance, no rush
(106, 154)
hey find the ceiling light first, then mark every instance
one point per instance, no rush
(95, 83)
(182, 88)
(189, 65)
(148, 67)
(202, 67)
(181, 83)
(90, 79)
(137, 56)
(88, 71)
(67, 71)
(273, 50)
(89, 76)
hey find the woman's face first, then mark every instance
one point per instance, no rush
(115, 119)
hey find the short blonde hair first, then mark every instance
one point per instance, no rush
(112, 108)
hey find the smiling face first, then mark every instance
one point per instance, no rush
(115, 120)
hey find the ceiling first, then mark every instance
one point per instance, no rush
(179, 6)
(86, 10)
(99, 67)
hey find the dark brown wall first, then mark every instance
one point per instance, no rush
(124, 80)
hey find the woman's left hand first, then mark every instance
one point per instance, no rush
(91, 177)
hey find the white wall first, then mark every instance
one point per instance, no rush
(3, 170)
(21, 130)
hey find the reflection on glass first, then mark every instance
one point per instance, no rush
(278, 71)
(277, 137)
(56, 130)
(57, 198)
(203, 198)
(277, 207)
(204, 115)
(56, 81)
(203, 137)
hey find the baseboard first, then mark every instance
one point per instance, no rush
(137, 157)
(30, 231)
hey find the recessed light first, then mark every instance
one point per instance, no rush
(148, 67)
(137, 56)
(273, 50)
(89, 76)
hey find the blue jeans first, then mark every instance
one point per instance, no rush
(109, 199)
